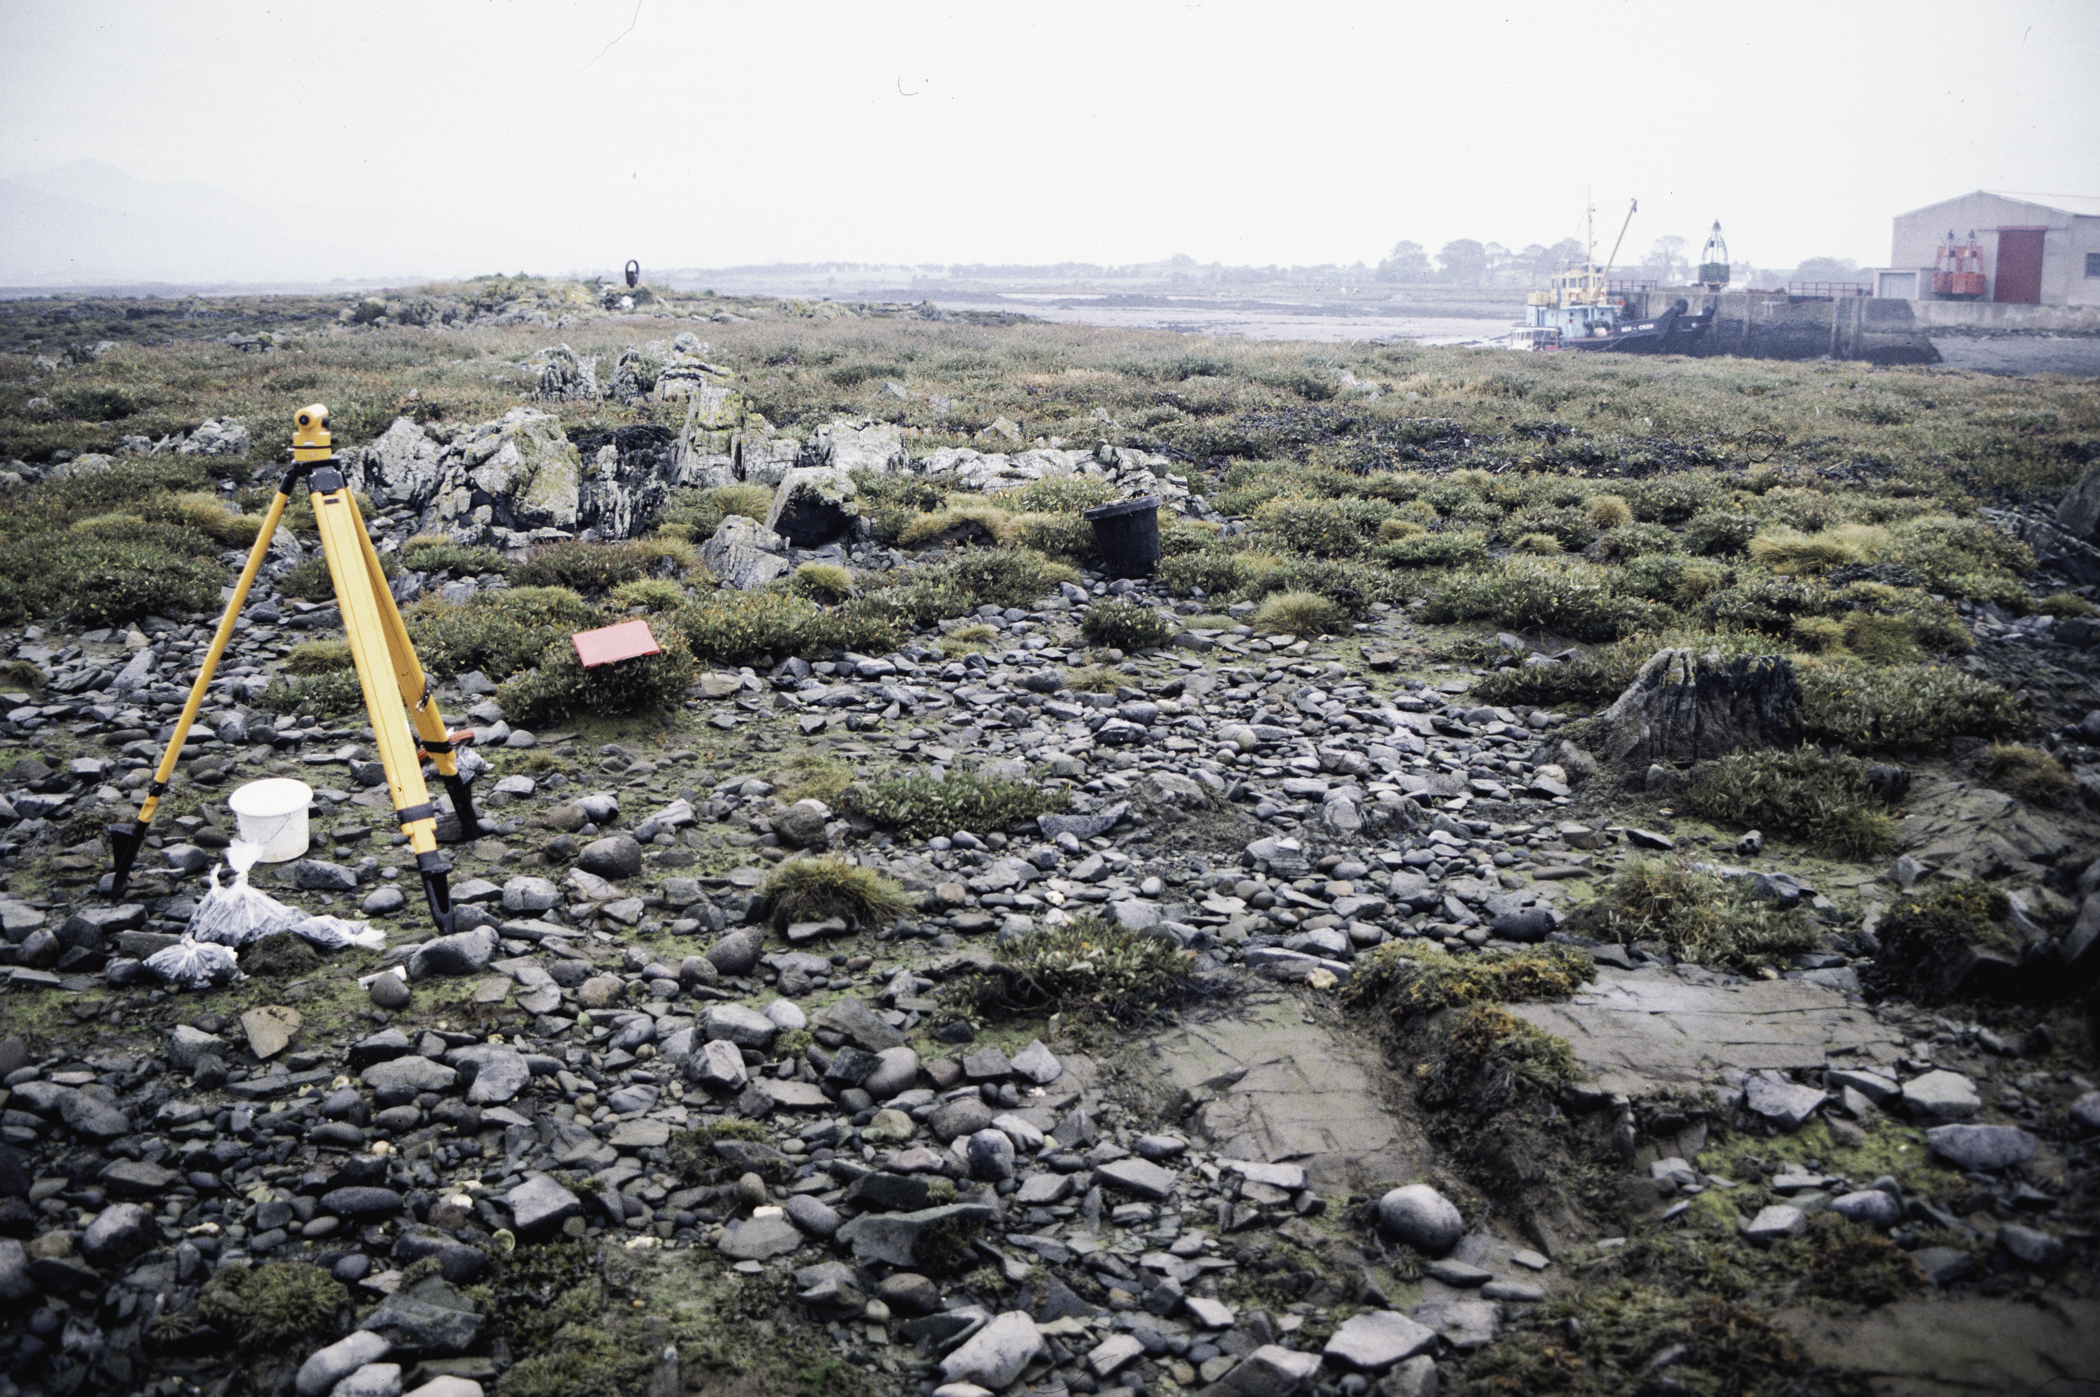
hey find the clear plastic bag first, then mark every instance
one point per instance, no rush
(235, 914)
(195, 965)
(333, 933)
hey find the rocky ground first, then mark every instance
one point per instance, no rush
(627, 1126)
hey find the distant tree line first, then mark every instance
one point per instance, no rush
(1670, 261)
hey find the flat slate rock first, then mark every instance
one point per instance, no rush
(1640, 1029)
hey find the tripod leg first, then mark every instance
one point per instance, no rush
(359, 585)
(125, 839)
(433, 738)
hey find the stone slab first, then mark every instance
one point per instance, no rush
(1640, 1030)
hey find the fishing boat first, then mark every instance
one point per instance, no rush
(1579, 311)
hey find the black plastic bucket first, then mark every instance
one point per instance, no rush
(1127, 534)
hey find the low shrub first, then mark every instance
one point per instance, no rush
(1594, 679)
(499, 633)
(1309, 524)
(829, 583)
(967, 579)
(1719, 532)
(1069, 536)
(1768, 604)
(1802, 794)
(434, 553)
(560, 687)
(1572, 528)
(1930, 940)
(582, 567)
(1213, 571)
(1538, 546)
(280, 1305)
(888, 502)
(319, 657)
(2028, 772)
(1697, 916)
(732, 627)
(964, 799)
(1125, 626)
(696, 513)
(1416, 978)
(1299, 613)
(1437, 550)
(1087, 967)
(1608, 512)
(323, 694)
(108, 579)
(307, 580)
(1633, 541)
(1669, 578)
(1902, 706)
(650, 593)
(813, 889)
(1058, 494)
(2065, 605)
(1571, 599)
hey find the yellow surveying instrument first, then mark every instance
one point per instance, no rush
(406, 725)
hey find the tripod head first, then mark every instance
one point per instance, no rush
(310, 439)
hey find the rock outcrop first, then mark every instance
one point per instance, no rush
(1687, 707)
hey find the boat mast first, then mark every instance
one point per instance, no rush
(1622, 235)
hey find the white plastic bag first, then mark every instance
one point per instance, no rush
(333, 933)
(236, 914)
(195, 965)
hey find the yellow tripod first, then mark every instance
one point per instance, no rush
(406, 725)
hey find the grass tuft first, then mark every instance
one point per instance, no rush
(813, 889)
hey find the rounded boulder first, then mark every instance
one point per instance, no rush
(1421, 1217)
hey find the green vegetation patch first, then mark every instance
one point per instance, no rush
(1903, 707)
(813, 889)
(1126, 626)
(1802, 794)
(438, 554)
(273, 1306)
(736, 628)
(1086, 966)
(560, 686)
(499, 633)
(2028, 772)
(1931, 943)
(963, 799)
(1696, 916)
(1414, 978)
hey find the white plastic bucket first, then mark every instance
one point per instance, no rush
(272, 815)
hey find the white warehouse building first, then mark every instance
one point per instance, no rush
(2037, 249)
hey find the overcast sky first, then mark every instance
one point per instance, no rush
(573, 134)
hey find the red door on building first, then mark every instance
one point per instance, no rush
(2020, 266)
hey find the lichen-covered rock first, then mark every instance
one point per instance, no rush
(567, 376)
(532, 476)
(813, 505)
(744, 553)
(848, 446)
(1685, 707)
(402, 465)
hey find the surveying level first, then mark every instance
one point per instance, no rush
(379, 647)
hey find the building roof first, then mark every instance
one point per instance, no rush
(2083, 205)
(2078, 205)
